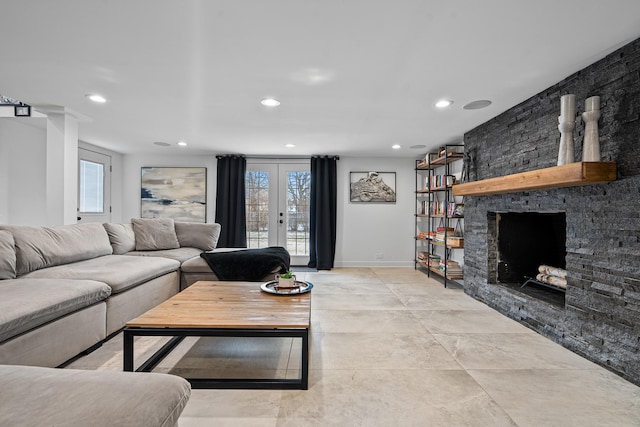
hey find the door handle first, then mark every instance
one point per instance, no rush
(281, 221)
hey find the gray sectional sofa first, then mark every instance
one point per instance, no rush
(33, 397)
(65, 289)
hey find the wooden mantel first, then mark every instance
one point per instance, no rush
(571, 175)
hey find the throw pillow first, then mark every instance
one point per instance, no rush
(7, 256)
(154, 234)
(122, 237)
(198, 235)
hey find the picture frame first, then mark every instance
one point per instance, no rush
(174, 192)
(372, 187)
(22, 110)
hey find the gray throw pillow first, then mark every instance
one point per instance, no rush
(7, 256)
(154, 234)
(121, 236)
(198, 235)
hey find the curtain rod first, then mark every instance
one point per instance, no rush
(220, 156)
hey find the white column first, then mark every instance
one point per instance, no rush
(62, 169)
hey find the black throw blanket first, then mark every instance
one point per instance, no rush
(251, 265)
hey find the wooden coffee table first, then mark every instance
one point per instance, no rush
(227, 309)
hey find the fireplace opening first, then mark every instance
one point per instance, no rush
(523, 242)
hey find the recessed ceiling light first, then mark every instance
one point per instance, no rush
(443, 103)
(476, 105)
(182, 143)
(270, 102)
(418, 147)
(96, 98)
(162, 144)
(396, 146)
(290, 145)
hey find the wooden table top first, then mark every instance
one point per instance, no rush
(235, 305)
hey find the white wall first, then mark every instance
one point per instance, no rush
(365, 230)
(132, 164)
(23, 171)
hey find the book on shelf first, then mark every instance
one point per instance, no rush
(434, 260)
(439, 181)
(455, 209)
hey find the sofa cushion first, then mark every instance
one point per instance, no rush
(40, 247)
(36, 396)
(180, 254)
(7, 256)
(28, 303)
(198, 235)
(120, 272)
(154, 234)
(121, 236)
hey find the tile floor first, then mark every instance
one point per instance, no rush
(391, 347)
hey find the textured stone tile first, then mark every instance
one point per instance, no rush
(227, 422)
(346, 288)
(452, 301)
(337, 275)
(373, 321)
(391, 398)
(388, 301)
(379, 351)
(227, 404)
(578, 398)
(511, 351)
(467, 321)
(403, 275)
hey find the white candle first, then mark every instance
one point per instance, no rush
(592, 104)
(568, 107)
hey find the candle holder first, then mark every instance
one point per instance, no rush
(591, 143)
(565, 153)
(566, 125)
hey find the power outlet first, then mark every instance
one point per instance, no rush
(379, 256)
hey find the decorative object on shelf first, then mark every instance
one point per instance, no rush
(22, 110)
(566, 125)
(286, 280)
(178, 193)
(372, 187)
(591, 144)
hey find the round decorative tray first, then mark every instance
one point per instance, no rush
(272, 288)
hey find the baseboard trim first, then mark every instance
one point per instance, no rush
(353, 264)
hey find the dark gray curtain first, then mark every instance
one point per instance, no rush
(322, 227)
(230, 202)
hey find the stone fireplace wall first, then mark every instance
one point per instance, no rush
(601, 317)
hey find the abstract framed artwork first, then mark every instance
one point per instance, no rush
(372, 187)
(178, 193)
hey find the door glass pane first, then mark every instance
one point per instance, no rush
(91, 187)
(298, 195)
(257, 206)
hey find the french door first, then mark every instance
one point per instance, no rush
(277, 205)
(94, 186)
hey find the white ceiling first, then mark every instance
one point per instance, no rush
(354, 76)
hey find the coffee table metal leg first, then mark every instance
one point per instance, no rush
(128, 351)
(304, 375)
